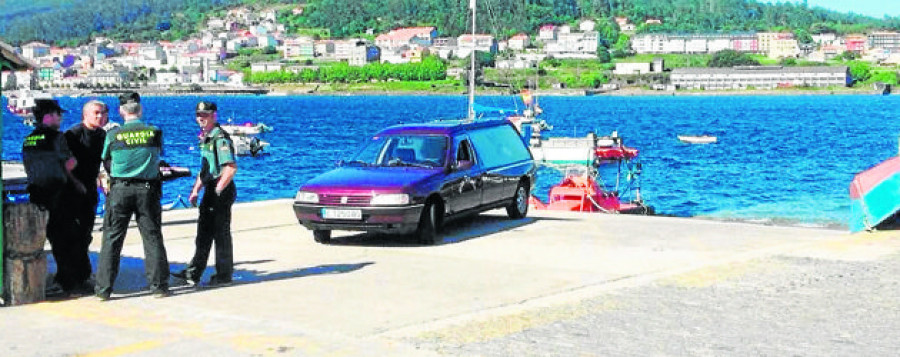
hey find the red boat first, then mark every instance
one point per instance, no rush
(582, 188)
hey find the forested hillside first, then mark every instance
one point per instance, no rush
(72, 22)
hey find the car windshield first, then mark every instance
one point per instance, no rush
(403, 150)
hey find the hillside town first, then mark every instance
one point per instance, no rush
(200, 62)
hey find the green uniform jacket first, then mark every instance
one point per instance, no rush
(134, 149)
(216, 150)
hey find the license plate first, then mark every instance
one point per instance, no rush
(349, 214)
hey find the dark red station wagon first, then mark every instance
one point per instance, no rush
(413, 178)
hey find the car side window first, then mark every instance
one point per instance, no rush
(499, 145)
(465, 158)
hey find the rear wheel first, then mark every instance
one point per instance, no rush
(519, 206)
(322, 236)
(429, 224)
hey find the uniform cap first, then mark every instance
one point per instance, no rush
(47, 106)
(130, 97)
(206, 107)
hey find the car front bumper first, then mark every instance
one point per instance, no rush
(393, 220)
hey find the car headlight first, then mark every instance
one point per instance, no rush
(307, 197)
(391, 199)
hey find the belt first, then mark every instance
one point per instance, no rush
(132, 181)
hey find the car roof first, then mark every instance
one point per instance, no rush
(442, 127)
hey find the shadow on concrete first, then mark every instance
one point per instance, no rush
(132, 281)
(455, 231)
(245, 277)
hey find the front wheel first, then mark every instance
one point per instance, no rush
(519, 206)
(429, 224)
(322, 236)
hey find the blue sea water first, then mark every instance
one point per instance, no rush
(779, 159)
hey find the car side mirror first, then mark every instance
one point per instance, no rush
(462, 165)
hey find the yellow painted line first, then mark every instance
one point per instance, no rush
(481, 331)
(712, 275)
(127, 349)
(115, 315)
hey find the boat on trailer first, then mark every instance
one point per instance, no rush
(600, 173)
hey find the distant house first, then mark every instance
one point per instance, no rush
(786, 48)
(265, 66)
(167, 78)
(587, 25)
(574, 45)
(106, 78)
(444, 47)
(767, 39)
(855, 43)
(299, 48)
(889, 41)
(356, 52)
(694, 43)
(625, 25)
(404, 36)
(759, 77)
(215, 24)
(822, 39)
(547, 33)
(632, 68)
(518, 42)
(265, 41)
(482, 42)
(35, 50)
(652, 21)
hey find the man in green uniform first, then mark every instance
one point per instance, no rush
(48, 165)
(217, 170)
(132, 152)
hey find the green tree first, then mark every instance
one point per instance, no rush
(788, 62)
(731, 58)
(849, 56)
(860, 71)
(888, 77)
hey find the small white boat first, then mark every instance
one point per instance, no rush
(697, 139)
(22, 104)
(246, 129)
(249, 145)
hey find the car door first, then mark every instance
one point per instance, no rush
(464, 185)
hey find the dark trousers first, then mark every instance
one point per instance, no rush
(214, 225)
(142, 200)
(69, 228)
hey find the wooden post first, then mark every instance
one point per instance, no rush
(24, 259)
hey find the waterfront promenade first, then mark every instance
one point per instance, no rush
(554, 283)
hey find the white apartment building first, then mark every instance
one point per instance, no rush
(693, 43)
(766, 77)
(574, 45)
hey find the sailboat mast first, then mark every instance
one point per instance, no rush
(471, 113)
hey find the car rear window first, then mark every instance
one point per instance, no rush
(499, 146)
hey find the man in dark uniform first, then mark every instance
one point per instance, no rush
(132, 151)
(85, 140)
(48, 166)
(217, 170)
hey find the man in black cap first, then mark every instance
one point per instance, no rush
(132, 152)
(48, 166)
(217, 169)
